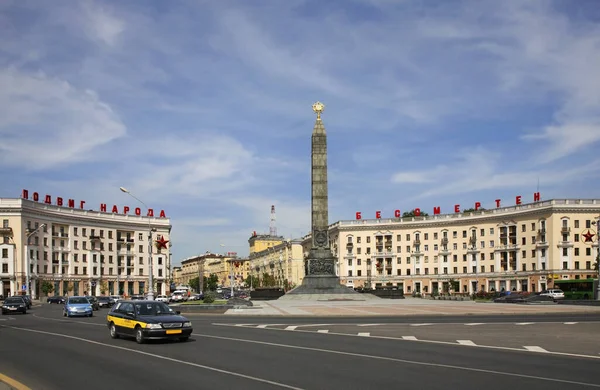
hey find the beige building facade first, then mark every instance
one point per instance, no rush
(520, 248)
(279, 258)
(210, 263)
(80, 251)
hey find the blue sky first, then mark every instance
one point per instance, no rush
(203, 108)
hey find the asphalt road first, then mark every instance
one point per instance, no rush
(46, 351)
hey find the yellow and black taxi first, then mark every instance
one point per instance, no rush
(147, 320)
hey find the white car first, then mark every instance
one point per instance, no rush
(555, 293)
(162, 298)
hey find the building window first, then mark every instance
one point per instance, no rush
(427, 236)
(160, 274)
(576, 252)
(588, 224)
(5, 253)
(565, 252)
(565, 265)
(588, 251)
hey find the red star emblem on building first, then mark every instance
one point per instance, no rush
(589, 236)
(161, 243)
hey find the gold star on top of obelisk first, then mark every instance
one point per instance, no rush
(318, 107)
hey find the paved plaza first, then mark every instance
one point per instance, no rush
(402, 307)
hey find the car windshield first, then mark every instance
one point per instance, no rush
(13, 300)
(153, 309)
(78, 301)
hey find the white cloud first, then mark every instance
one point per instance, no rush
(101, 24)
(46, 121)
(480, 170)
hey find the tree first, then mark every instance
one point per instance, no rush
(472, 210)
(252, 281)
(103, 287)
(194, 283)
(268, 280)
(47, 287)
(597, 263)
(211, 282)
(70, 287)
(410, 214)
(287, 285)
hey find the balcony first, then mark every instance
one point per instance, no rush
(565, 244)
(60, 234)
(565, 230)
(349, 244)
(126, 252)
(6, 232)
(444, 241)
(417, 242)
(509, 247)
(349, 256)
(542, 231)
(61, 249)
(444, 251)
(473, 250)
(541, 244)
(94, 238)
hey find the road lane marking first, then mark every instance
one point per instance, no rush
(322, 331)
(420, 324)
(368, 324)
(524, 323)
(161, 357)
(534, 348)
(405, 361)
(262, 326)
(365, 334)
(570, 323)
(291, 328)
(466, 342)
(411, 338)
(13, 383)
(69, 321)
(475, 324)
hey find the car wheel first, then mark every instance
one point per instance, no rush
(91, 314)
(183, 339)
(113, 331)
(139, 335)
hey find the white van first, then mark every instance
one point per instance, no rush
(179, 296)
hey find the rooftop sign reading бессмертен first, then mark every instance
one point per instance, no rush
(437, 210)
(71, 203)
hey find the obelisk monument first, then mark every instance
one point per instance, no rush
(319, 266)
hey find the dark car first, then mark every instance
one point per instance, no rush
(105, 302)
(14, 305)
(27, 300)
(59, 300)
(147, 320)
(94, 302)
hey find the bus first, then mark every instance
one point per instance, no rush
(578, 288)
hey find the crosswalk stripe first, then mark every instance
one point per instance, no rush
(409, 338)
(475, 323)
(534, 348)
(291, 328)
(369, 324)
(525, 323)
(570, 323)
(466, 342)
(420, 324)
(262, 326)
(365, 334)
(322, 331)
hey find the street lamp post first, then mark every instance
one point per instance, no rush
(28, 260)
(150, 265)
(598, 257)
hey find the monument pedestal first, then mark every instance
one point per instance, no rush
(321, 284)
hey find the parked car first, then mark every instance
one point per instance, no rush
(78, 306)
(162, 298)
(147, 320)
(57, 299)
(555, 293)
(14, 305)
(177, 297)
(94, 302)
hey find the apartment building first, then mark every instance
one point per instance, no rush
(280, 258)
(80, 251)
(224, 266)
(521, 248)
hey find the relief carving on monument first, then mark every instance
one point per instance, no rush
(320, 267)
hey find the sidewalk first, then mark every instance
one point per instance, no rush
(400, 307)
